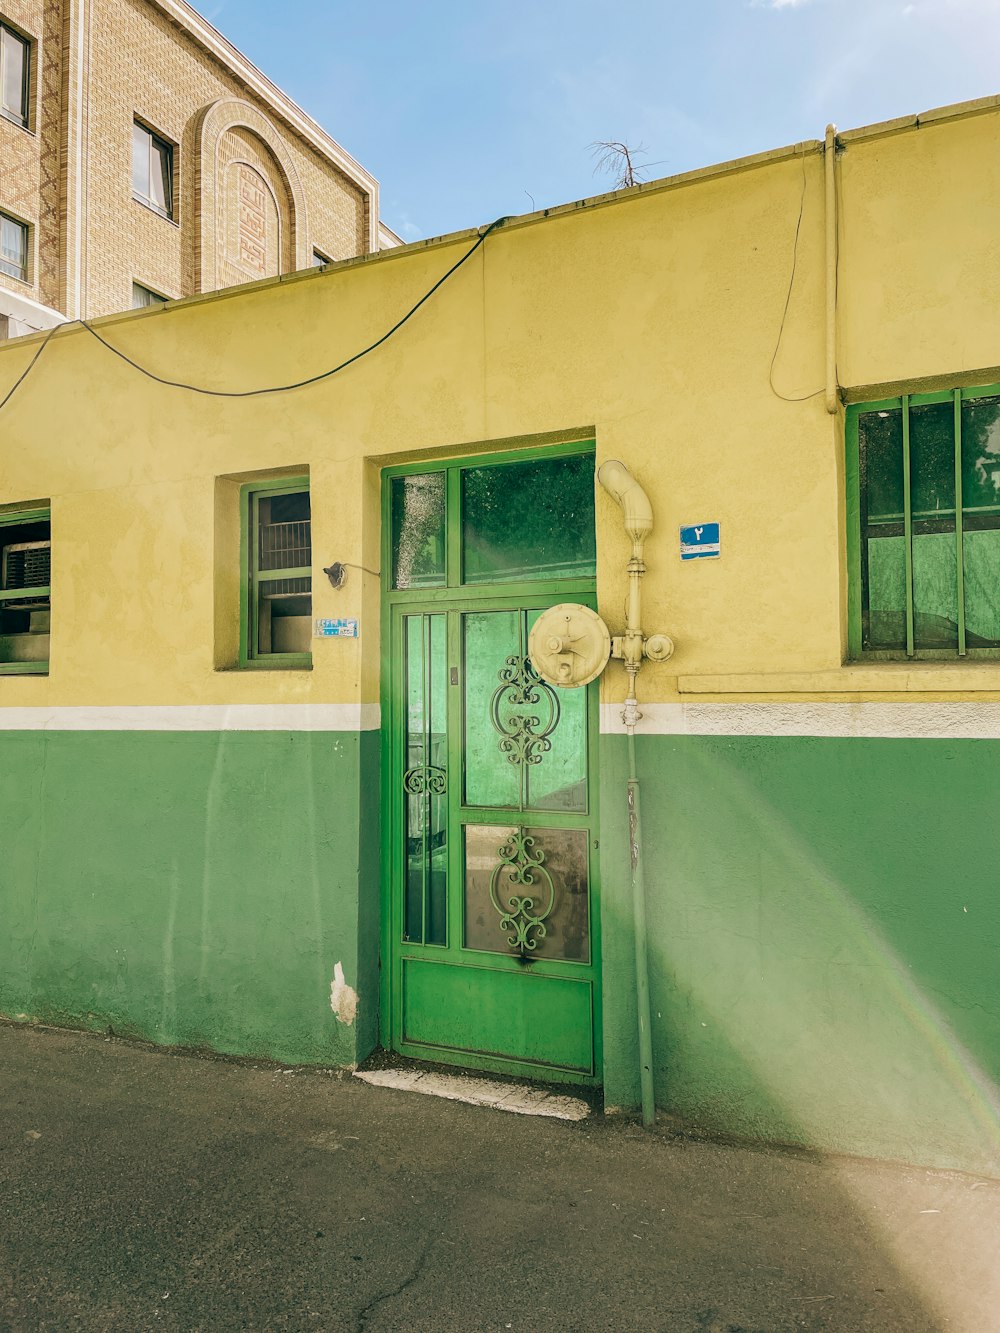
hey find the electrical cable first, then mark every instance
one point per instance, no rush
(786, 398)
(375, 573)
(29, 368)
(277, 388)
(312, 379)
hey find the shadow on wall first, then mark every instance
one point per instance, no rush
(823, 923)
(827, 905)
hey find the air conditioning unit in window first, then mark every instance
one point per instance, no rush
(27, 565)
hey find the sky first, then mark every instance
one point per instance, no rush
(468, 112)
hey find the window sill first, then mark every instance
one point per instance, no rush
(856, 678)
(154, 208)
(272, 664)
(15, 120)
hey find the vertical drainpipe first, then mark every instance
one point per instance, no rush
(830, 172)
(639, 918)
(632, 648)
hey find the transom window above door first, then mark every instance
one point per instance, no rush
(523, 519)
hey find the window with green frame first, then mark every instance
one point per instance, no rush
(276, 615)
(923, 487)
(25, 591)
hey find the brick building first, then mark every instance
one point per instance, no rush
(142, 157)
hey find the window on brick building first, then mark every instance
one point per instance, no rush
(319, 259)
(15, 67)
(143, 297)
(13, 247)
(152, 170)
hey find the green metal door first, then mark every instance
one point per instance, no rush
(491, 922)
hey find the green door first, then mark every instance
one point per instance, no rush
(491, 927)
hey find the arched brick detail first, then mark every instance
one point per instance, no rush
(231, 113)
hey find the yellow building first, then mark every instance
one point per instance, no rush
(279, 776)
(142, 157)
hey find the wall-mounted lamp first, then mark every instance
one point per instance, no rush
(337, 572)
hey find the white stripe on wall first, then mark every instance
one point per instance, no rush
(196, 717)
(944, 721)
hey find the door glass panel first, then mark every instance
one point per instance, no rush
(418, 526)
(425, 780)
(525, 742)
(532, 520)
(490, 639)
(559, 780)
(527, 892)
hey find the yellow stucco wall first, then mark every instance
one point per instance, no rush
(649, 321)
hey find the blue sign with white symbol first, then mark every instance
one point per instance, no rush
(700, 541)
(336, 629)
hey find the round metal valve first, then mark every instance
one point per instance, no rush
(569, 645)
(659, 647)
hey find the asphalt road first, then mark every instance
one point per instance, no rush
(144, 1190)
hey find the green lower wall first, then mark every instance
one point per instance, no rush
(824, 918)
(824, 923)
(195, 889)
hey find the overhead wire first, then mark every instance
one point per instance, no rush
(276, 388)
(29, 368)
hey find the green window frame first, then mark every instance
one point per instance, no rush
(276, 576)
(25, 602)
(923, 526)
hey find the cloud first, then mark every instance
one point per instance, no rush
(781, 4)
(406, 227)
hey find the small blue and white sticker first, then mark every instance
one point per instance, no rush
(336, 629)
(700, 541)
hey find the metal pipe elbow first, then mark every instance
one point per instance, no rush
(626, 491)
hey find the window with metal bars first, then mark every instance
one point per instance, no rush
(25, 591)
(923, 487)
(277, 606)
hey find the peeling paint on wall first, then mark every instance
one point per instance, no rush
(343, 999)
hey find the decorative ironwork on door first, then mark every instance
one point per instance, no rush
(522, 865)
(524, 735)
